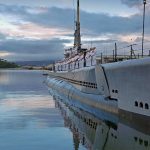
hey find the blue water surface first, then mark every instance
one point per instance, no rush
(29, 119)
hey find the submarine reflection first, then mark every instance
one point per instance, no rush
(97, 134)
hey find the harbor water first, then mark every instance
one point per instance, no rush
(32, 119)
(29, 119)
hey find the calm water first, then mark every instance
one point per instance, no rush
(96, 134)
(29, 119)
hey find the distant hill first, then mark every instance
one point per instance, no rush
(35, 63)
(6, 64)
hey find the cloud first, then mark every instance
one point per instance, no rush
(4, 54)
(33, 49)
(41, 32)
(42, 3)
(33, 31)
(98, 41)
(2, 37)
(132, 3)
(104, 24)
(35, 21)
(63, 18)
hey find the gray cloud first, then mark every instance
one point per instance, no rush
(92, 23)
(38, 49)
(102, 23)
(63, 18)
(50, 17)
(2, 37)
(132, 3)
(100, 41)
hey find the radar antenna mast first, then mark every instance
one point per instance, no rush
(77, 40)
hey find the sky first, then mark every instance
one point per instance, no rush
(41, 29)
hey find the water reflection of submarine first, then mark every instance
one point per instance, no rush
(124, 138)
(95, 134)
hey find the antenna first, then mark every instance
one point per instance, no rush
(77, 30)
(144, 3)
(115, 51)
(113, 55)
(74, 14)
(132, 51)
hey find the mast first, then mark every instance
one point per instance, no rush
(144, 3)
(77, 40)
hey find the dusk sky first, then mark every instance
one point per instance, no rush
(42, 29)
